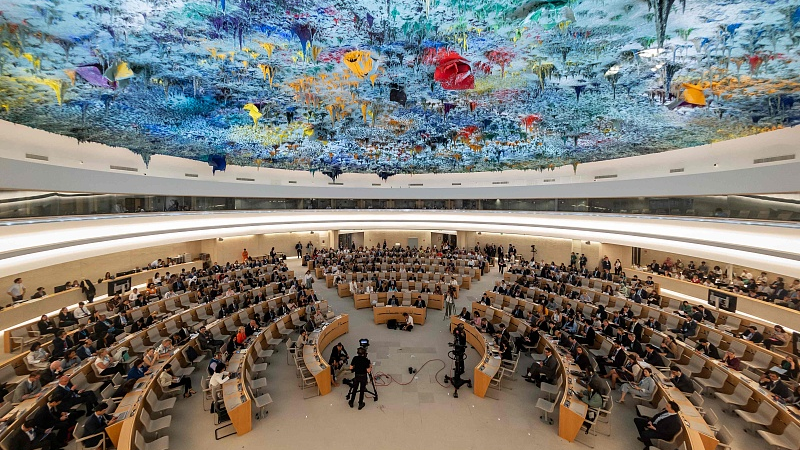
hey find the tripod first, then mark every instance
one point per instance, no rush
(351, 394)
(458, 356)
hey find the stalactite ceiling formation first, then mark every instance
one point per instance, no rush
(400, 86)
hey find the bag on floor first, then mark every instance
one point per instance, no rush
(391, 324)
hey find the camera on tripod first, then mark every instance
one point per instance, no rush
(458, 355)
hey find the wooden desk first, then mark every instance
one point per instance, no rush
(238, 403)
(572, 411)
(488, 365)
(312, 353)
(383, 314)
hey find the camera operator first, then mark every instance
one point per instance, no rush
(459, 336)
(361, 368)
(337, 360)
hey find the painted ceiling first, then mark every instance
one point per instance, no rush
(400, 86)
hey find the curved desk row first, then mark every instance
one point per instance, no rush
(343, 289)
(322, 265)
(383, 314)
(432, 301)
(236, 395)
(698, 434)
(431, 273)
(318, 341)
(751, 354)
(769, 313)
(488, 364)
(50, 305)
(572, 411)
(153, 335)
(435, 279)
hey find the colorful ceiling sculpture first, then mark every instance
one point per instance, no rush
(400, 86)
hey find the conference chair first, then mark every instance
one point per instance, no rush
(789, 439)
(715, 382)
(660, 444)
(725, 439)
(711, 419)
(547, 408)
(649, 411)
(159, 406)
(261, 402)
(161, 443)
(760, 363)
(739, 398)
(550, 389)
(154, 427)
(763, 416)
(80, 439)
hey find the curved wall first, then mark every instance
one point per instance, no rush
(28, 245)
(727, 167)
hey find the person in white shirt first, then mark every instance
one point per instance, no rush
(354, 286)
(134, 295)
(409, 322)
(81, 311)
(37, 357)
(368, 289)
(17, 290)
(217, 380)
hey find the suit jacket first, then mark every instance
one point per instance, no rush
(636, 347)
(620, 358)
(550, 367)
(94, 425)
(84, 353)
(419, 303)
(780, 389)
(710, 351)
(21, 441)
(45, 419)
(683, 383)
(689, 328)
(668, 425)
(24, 388)
(656, 325)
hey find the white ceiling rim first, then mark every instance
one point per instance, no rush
(726, 167)
(29, 247)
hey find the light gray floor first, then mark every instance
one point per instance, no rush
(418, 414)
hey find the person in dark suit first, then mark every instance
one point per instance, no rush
(707, 348)
(29, 438)
(546, 369)
(50, 417)
(251, 328)
(652, 357)
(72, 396)
(588, 335)
(86, 350)
(97, 423)
(753, 335)
(634, 344)
(773, 383)
(653, 323)
(393, 302)
(46, 326)
(616, 358)
(680, 381)
(61, 344)
(664, 425)
(420, 303)
(688, 329)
